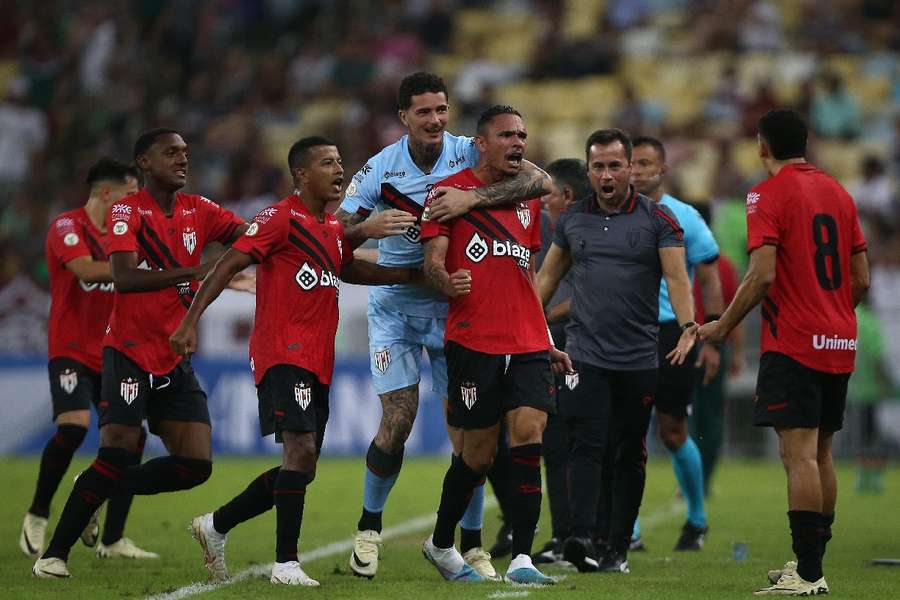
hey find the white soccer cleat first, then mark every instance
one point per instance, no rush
(481, 562)
(791, 584)
(290, 573)
(364, 556)
(775, 574)
(124, 548)
(50, 568)
(31, 540)
(449, 563)
(213, 544)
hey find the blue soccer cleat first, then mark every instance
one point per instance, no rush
(448, 563)
(522, 571)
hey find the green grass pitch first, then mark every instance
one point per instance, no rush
(748, 505)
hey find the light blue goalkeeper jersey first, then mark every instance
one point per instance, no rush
(391, 179)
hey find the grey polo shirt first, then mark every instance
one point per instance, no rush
(615, 279)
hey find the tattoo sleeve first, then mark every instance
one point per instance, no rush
(352, 223)
(435, 269)
(530, 182)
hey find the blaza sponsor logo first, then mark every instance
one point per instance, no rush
(390, 174)
(208, 201)
(307, 278)
(303, 394)
(823, 342)
(477, 249)
(412, 234)
(188, 211)
(456, 162)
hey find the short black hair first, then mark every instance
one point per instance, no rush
(298, 156)
(647, 140)
(147, 139)
(110, 169)
(784, 131)
(605, 137)
(570, 172)
(419, 83)
(488, 115)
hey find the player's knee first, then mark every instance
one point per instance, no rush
(191, 472)
(673, 438)
(120, 436)
(480, 459)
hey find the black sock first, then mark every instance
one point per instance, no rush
(525, 480)
(459, 483)
(289, 493)
(806, 534)
(166, 474)
(256, 499)
(826, 523)
(498, 476)
(54, 463)
(93, 486)
(468, 539)
(118, 505)
(383, 465)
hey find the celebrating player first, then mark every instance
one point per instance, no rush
(406, 319)
(497, 347)
(302, 257)
(158, 235)
(809, 268)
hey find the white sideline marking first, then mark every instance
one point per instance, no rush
(508, 595)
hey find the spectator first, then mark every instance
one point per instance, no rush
(835, 110)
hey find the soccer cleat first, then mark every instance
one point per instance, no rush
(123, 548)
(50, 568)
(213, 544)
(791, 584)
(31, 540)
(503, 545)
(290, 573)
(364, 556)
(550, 554)
(581, 553)
(613, 562)
(522, 571)
(691, 537)
(481, 562)
(637, 545)
(775, 574)
(447, 563)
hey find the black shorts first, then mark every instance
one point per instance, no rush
(129, 394)
(789, 394)
(73, 386)
(592, 392)
(292, 399)
(676, 382)
(483, 387)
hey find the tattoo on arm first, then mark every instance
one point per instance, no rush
(352, 223)
(525, 185)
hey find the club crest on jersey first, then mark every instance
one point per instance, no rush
(128, 389)
(476, 249)
(572, 380)
(469, 394)
(524, 215)
(68, 380)
(382, 359)
(189, 237)
(302, 394)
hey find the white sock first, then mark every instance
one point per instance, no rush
(449, 558)
(522, 561)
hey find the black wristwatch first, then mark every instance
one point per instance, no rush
(687, 325)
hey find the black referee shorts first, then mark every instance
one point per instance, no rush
(676, 382)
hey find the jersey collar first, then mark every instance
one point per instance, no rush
(627, 206)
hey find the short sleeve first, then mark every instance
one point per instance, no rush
(345, 249)
(364, 190)
(65, 242)
(559, 235)
(220, 222)
(535, 207)
(762, 220)
(470, 151)
(669, 233)
(124, 223)
(432, 229)
(700, 245)
(859, 240)
(265, 235)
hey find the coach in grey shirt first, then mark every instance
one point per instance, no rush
(618, 245)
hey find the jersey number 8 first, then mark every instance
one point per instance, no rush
(825, 236)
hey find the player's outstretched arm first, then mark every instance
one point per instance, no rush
(89, 270)
(358, 228)
(368, 273)
(530, 182)
(184, 339)
(555, 266)
(859, 276)
(435, 269)
(129, 278)
(671, 260)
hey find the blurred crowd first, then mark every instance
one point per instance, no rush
(242, 79)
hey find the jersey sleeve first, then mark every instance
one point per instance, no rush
(859, 240)
(535, 207)
(762, 220)
(220, 222)
(364, 190)
(265, 235)
(64, 241)
(432, 229)
(469, 150)
(669, 233)
(700, 245)
(346, 250)
(559, 234)
(124, 223)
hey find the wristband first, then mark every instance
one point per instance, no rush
(688, 325)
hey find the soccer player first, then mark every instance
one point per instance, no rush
(405, 320)
(80, 302)
(618, 244)
(158, 235)
(302, 257)
(497, 347)
(809, 268)
(676, 382)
